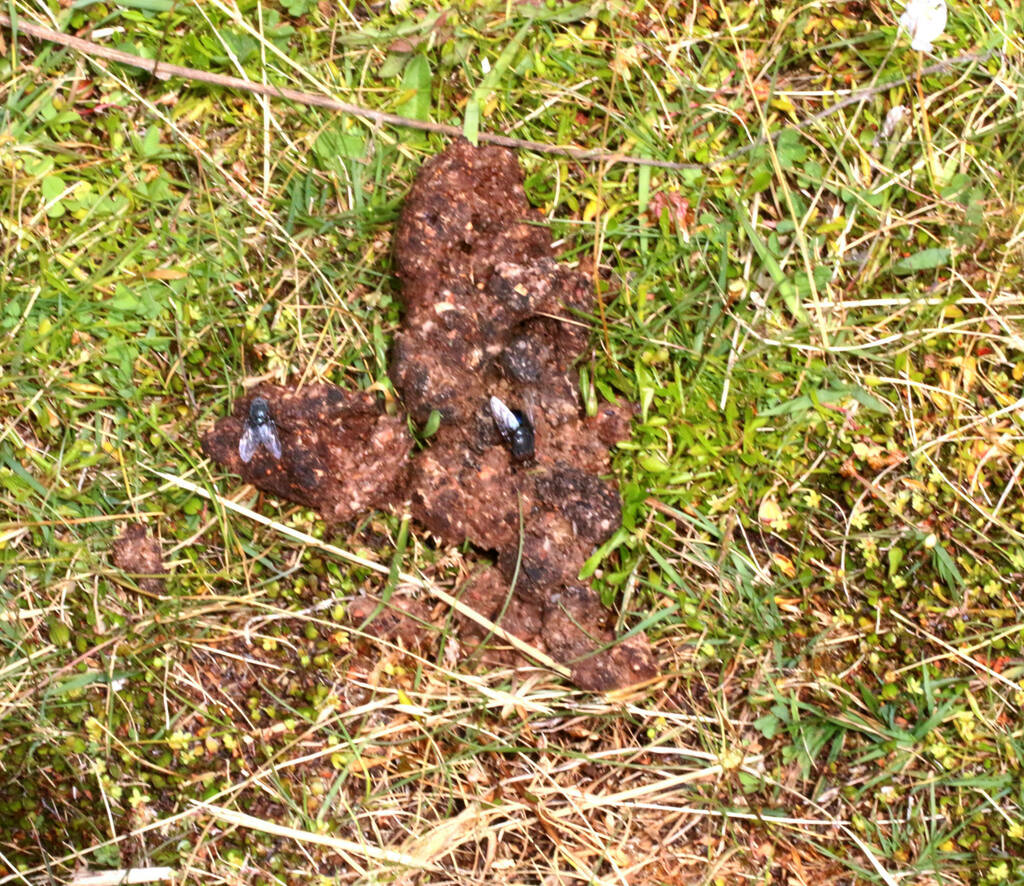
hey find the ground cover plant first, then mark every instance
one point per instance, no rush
(814, 300)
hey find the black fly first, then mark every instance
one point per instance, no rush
(259, 430)
(515, 428)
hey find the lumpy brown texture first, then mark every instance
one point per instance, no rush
(487, 311)
(340, 453)
(139, 553)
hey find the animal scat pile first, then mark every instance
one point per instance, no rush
(487, 312)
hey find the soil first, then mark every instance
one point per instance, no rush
(487, 312)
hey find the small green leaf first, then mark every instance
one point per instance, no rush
(869, 402)
(925, 260)
(768, 725)
(433, 423)
(790, 150)
(150, 144)
(895, 559)
(805, 402)
(124, 300)
(60, 633)
(51, 187)
(332, 144)
(946, 566)
(654, 464)
(416, 80)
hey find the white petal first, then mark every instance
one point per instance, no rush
(897, 114)
(924, 20)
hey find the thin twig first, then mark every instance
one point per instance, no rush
(166, 70)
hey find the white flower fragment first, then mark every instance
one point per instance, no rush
(893, 120)
(924, 20)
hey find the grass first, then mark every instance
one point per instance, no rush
(822, 518)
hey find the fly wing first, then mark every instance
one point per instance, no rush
(248, 443)
(504, 418)
(267, 433)
(528, 400)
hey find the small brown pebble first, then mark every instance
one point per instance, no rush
(139, 555)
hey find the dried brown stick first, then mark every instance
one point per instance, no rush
(164, 69)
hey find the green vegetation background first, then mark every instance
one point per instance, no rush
(822, 518)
